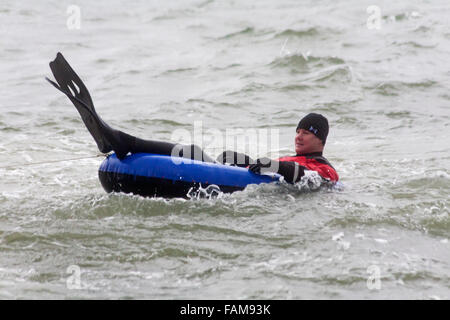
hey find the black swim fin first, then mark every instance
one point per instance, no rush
(70, 84)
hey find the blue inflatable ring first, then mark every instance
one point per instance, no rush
(150, 175)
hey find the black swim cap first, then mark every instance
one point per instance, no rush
(315, 123)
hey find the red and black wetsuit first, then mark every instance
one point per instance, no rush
(293, 167)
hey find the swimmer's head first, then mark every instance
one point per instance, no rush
(316, 124)
(311, 134)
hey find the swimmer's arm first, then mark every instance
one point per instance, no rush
(291, 171)
(235, 158)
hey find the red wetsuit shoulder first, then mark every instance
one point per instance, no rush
(315, 163)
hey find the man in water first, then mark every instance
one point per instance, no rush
(310, 138)
(311, 135)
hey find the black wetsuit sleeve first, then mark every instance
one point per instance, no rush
(291, 171)
(235, 158)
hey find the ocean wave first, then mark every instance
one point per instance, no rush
(339, 107)
(301, 62)
(438, 180)
(336, 74)
(399, 114)
(409, 213)
(178, 71)
(315, 69)
(243, 32)
(394, 88)
(293, 87)
(10, 129)
(422, 29)
(407, 15)
(308, 32)
(414, 44)
(171, 14)
(154, 122)
(251, 88)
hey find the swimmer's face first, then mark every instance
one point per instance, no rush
(307, 142)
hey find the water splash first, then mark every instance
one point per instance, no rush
(311, 181)
(210, 192)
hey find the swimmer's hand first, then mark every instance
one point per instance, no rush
(266, 163)
(291, 171)
(235, 159)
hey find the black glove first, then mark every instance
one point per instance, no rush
(260, 163)
(235, 159)
(291, 171)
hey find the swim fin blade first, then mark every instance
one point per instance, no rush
(71, 85)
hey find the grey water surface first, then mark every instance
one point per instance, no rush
(380, 75)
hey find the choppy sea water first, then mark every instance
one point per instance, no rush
(154, 68)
